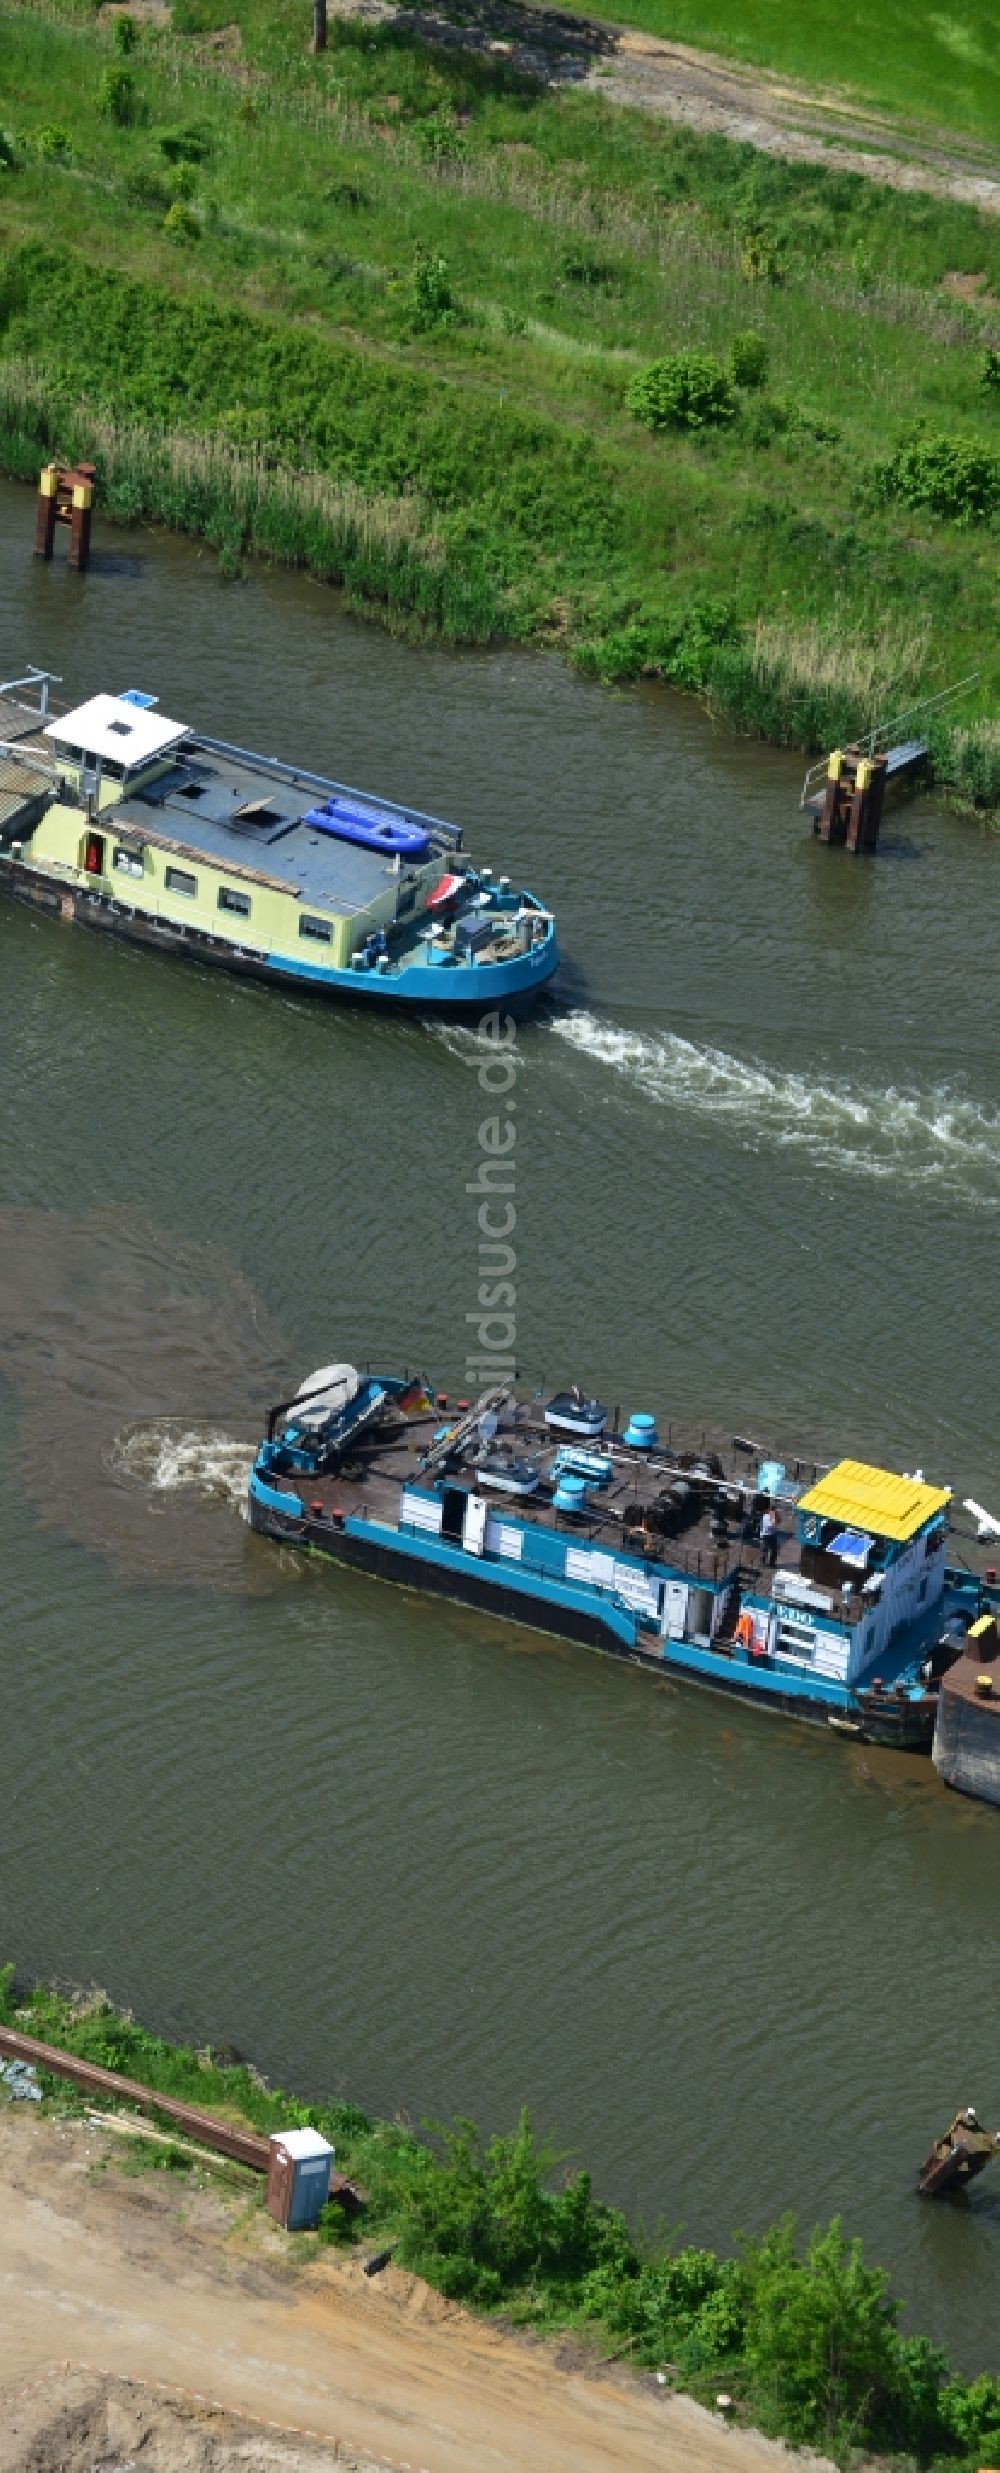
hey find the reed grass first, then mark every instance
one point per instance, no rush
(818, 684)
(384, 551)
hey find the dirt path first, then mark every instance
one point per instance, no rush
(104, 2278)
(704, 92)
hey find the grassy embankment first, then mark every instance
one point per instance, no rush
(905, 55)
(378, 313)
(805, 2339)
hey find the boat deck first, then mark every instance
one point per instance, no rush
(369, 1484)
(223, 804)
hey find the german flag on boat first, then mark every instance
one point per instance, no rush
(415, 1401)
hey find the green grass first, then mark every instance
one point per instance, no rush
(940, 63)
(486, 474)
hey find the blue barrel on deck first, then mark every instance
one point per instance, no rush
(570, 1494)
(640, 1432)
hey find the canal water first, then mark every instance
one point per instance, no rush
(387, 1847)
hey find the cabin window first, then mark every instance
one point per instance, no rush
(178, 881)
(321, 930)
(129, 862)
(229, 900)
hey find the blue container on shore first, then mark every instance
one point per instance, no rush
(298, 2179)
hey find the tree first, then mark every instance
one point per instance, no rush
(319, 26)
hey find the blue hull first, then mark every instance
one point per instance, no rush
(461, 990)
(437, 1568)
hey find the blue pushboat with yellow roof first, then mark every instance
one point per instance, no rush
(825, 1595)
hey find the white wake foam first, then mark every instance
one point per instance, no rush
(168, 1455)
(877, 1133)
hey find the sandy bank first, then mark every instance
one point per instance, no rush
(105, 2279)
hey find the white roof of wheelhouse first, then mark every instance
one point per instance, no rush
(112, 727)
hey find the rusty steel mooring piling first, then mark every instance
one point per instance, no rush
(65, 496)
(851, 809)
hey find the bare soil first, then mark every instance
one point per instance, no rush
(806, 124)
(147, 2323)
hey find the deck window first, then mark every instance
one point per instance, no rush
(321, 930)
(129, 862)
(230, 900)
(178, 881)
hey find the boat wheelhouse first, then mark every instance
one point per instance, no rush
(117, 816)
(823, 1598)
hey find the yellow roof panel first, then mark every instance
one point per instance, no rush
(874, 1499)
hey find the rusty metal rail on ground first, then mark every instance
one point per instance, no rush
(242, 2146)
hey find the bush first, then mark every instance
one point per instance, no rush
(820, 2337)
(763, 249)
(582, 265)
(748, 361)
(678, 644)
(118, 97)
(147, 186)
(126, 34)
(54, 143)
(687, 390)
(943, 475)
(180, 223)
(989, 375)
(432, 300)
(8, 151)
(190, 144)
(972, 2414)
(439, 137)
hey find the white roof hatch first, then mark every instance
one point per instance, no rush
(117, 731)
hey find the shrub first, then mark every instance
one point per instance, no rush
(582, 265)
(972, 2414)
(432, 300)
(763, 249)
(943, 475)
(189, 144)
(768, 418)
(821, 2343)
(146, 185)
(180, 223)
(126, 34)
(54, 143)
(989, 375)
(8, 151)
(679, 644)
(748, 360)
(439, 137)
(117, 96)
(687, 390)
